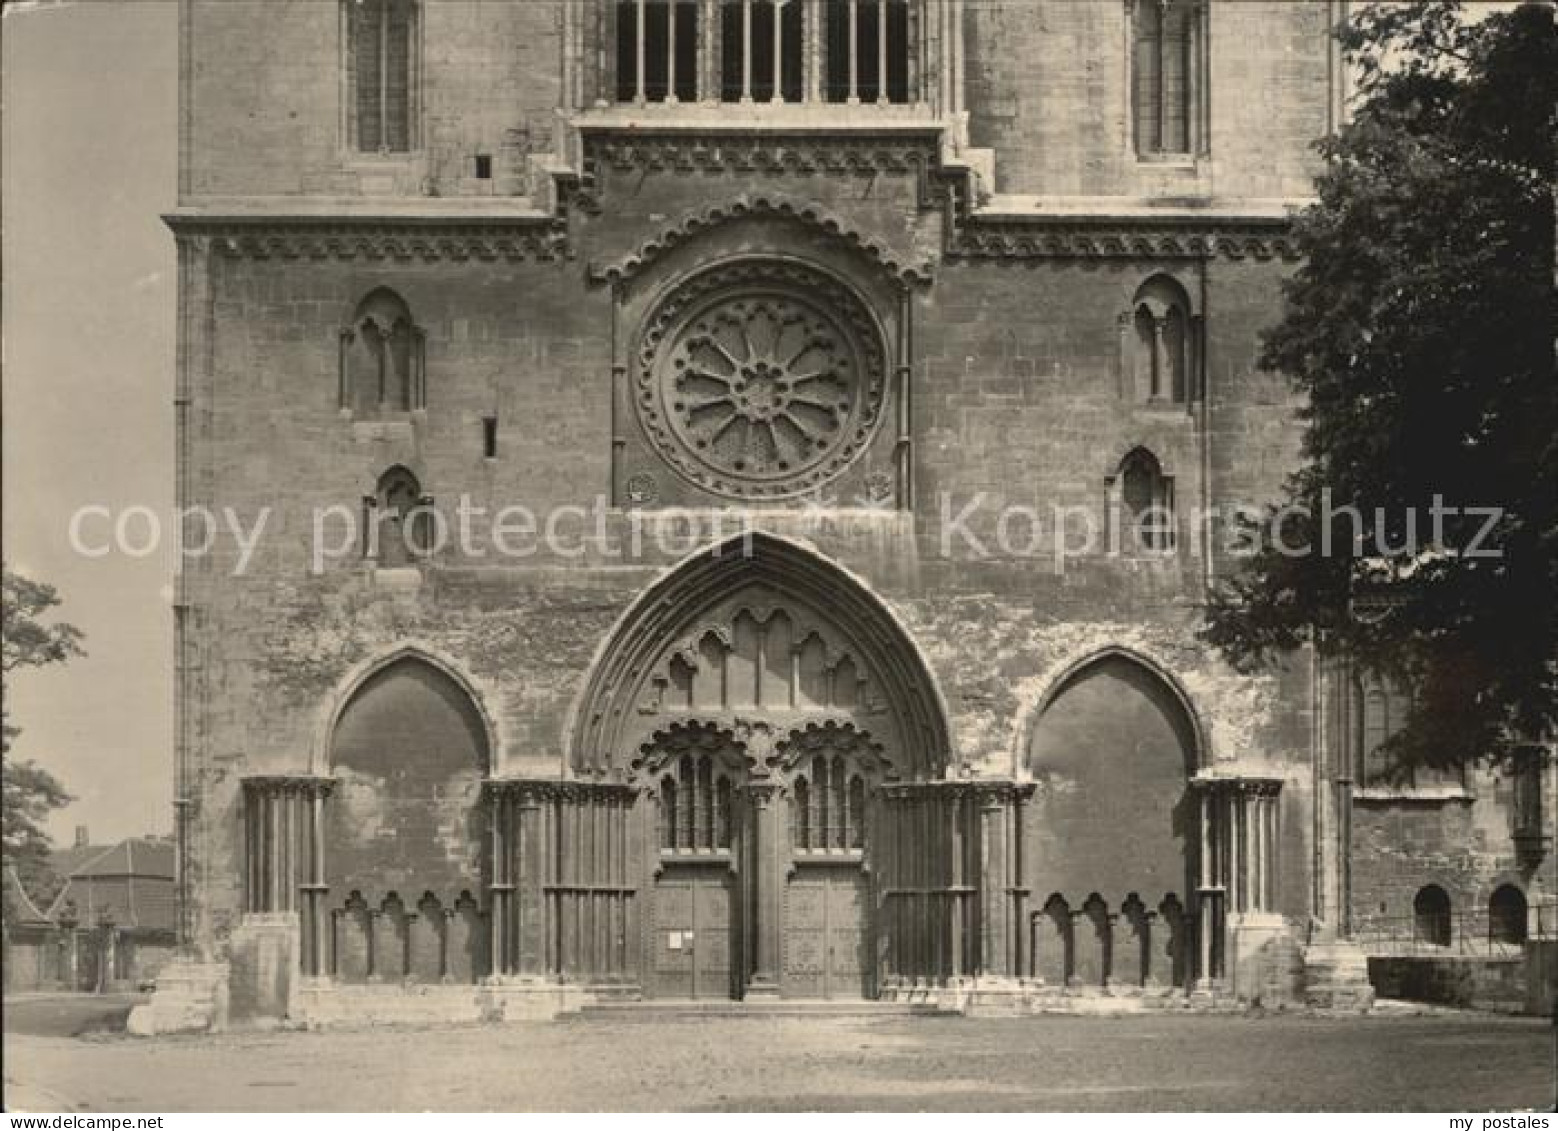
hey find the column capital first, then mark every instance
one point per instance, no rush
(270, 785)
(548, 789)
(763, 791)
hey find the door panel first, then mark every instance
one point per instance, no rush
(805, 935)
(849, 935)
(692, 932)
(827, 938)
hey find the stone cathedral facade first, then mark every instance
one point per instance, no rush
(741, 478)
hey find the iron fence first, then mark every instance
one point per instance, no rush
(1480, 933)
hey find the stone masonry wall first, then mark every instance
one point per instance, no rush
(264, 91)
(1047, 89)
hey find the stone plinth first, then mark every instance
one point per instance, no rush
(191, 996)
(1336, 976)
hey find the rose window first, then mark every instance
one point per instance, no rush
(761, 380)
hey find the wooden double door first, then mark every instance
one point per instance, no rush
(706, 915)
(828, 950)
(696, 940)
(701, 937)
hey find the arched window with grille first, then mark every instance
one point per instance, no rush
(381, 69)
(828, 810)
(1167, 68)
(1141, 506)
(381, 358)
(696, 796)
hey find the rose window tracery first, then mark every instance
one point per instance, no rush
(761, 380)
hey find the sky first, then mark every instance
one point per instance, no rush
(89, 300)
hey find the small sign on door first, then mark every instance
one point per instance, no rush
(679, 940)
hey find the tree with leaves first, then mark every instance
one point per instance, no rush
(1420, 328)
(30, 792)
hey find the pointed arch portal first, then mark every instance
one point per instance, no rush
(742, 730)
(763, 635)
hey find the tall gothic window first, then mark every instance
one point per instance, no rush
(1141, 506)
(1382, 708)
(1166, 37)
(1161, 341)
(846, 51)
(381, 358)
(1529, 773)
(381, 65)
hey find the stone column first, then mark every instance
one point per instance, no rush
(501, 887)
(318, 890)
(766, 875)
(993, 882)
(285, 847)
(1205, 893)
(529, 898)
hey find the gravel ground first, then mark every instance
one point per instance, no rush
(1154, 1063)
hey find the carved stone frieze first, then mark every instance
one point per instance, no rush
(763, 151)
(1040, 237)
(414, 239)
(813, 216)
(545, 789)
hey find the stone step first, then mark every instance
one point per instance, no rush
(785, 1007)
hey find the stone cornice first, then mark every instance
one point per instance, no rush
(399, 236)
(708, 149)
(1060, 236)
(904, 273)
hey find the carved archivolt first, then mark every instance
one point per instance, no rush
(761, 637)
(805, 213)
(760, 379)
(759, 659)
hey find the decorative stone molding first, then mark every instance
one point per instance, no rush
(601, 734)
(991, 789)
(837, 229)
(833, 737)
(547, 789)
(411, 239)
(911, 150)
(1048, 237)
(308, 785)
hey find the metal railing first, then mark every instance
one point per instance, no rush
(1470, 934)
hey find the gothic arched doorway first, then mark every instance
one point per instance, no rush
(757, 696)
